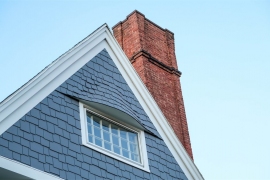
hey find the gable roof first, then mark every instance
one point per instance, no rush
(34, 91)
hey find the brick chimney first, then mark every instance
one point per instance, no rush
(151, 51)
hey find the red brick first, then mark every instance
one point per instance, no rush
(151, 51)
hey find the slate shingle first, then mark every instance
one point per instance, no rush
(7, 136)
(53, 153)
(70, 175)
(36, 138)
(25, 126)
(6, 152)
(12, 130)
(32, 128)
(71, 153)
(33, 153)
(15, 147)
(50, 127)
(41, 158)
(78, 163)
(54, 170)
(64, 141)
(49, 159)
(62, 158)
(36, 164)
(25, 151)
(59, 131)
(36, 147)
(25, 159)
(46, 167)
(84, 174)
(76, 131)
(56, 147)
(95, 170)
(63, 174)
(35, 113)
(56, 138)
(45, 142)
(45, 109)
(62, 124)
(4, 143)
(57, 164)
(16, 156)
(47, 135)
(39, 132)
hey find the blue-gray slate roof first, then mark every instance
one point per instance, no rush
(49, 138)
(100, 81)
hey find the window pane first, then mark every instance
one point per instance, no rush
(116, 149)
(97, 132)
(106, 136)
(113, 137)
(124, 144)
(89, 128)
(123, 133)
(115, 140)
(108, 146)
(132, 137)
(114, 129)
(88, 119)
(133, 148)
(135, 157)
(90, 138)
(125, 153)
(105, 125)
(98, 142)
(96, 121)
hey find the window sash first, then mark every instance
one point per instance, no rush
(122, 140)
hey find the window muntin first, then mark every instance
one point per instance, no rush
(113, 137)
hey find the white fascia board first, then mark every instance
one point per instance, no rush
(25, 170)
(27, 97)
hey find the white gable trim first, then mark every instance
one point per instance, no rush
(13, 108)
(25, 170)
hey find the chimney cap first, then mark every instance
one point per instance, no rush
(138, 12)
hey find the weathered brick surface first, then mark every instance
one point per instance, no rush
(143, 41)
(49, 138)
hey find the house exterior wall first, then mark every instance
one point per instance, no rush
(49, 138)
(151, 50)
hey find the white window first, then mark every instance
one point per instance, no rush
(113, 138)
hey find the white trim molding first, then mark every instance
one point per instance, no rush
(25, 170)
(28, 96)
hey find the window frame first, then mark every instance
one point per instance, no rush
(141, 138)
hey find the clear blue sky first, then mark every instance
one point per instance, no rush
(222, 48)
